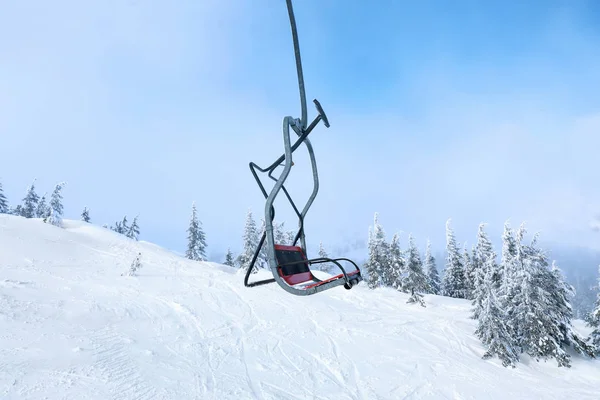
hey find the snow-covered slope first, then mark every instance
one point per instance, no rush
(71, 327)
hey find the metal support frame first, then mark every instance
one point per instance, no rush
(299, 126)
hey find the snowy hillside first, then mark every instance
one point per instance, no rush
(71, 327)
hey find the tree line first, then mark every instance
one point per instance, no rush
(51, 211)
(521, 301)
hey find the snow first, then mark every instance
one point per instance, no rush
(71, 327)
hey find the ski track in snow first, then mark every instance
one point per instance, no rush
(73, 327)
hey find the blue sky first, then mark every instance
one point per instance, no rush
(475, 111)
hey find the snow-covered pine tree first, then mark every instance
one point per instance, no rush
(30, 202)
(492, 328)
(416, 280)
(327, 267)
(486, 260)
(290, 236)
(560, 294)
(136, 264)
(263, 258)
(117, 227)
(3, 202)
(388, 274)
(42, 210)
(377, 262)
(484, 256)
(196, 249)
(229, 258)
(250, 241)
(85, 215)
(533, 316)
(453, 283)
(397, 264)
(56, 207)
(507, 275)
(433, 277)
(121, 226)
(278, 233)
(594, 321)
(134, 230)
(508, 258)
(468, 269)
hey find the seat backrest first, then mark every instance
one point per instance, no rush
(295, 273)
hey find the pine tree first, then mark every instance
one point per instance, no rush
(278, 233)
(506, 277)
(134, 230)
(196, 249)
(536, 319)
(3, 202)
(250, 240)
(124, 226)
(327, 267)
(229, 258)
(289, 237)
(560, 293)
(30, 202)
(85, 215)
(433, 278)
(454, 277)
(492, 329)
(377, 262)
(56, 207)
(508, 260)
(121, 226)
(594, 321)
(416, 280)
(468, 271)
(136, 264)
(484, 256)
(397, 264)
(42, 210)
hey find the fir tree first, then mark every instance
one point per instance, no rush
(124, 226)
(289, 237)
(30, 202)
(85, 215)
(229, 258)
(484, 256)
(134, 230)
(42, 210)
(250, 240)
(56, 207)
(468, 271)
(136, 264)
(593, 321)
(433, 278)
(377, 262)
(3, 202)
(17, 210)
(416, 280)
(196, 249)
(560, 293)
(508, 258)
(454, 276)
(397, 264)
(536, 317)
(491, 325)
(279, 234)
(121, 226)
(327, 267)
(279, 237)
